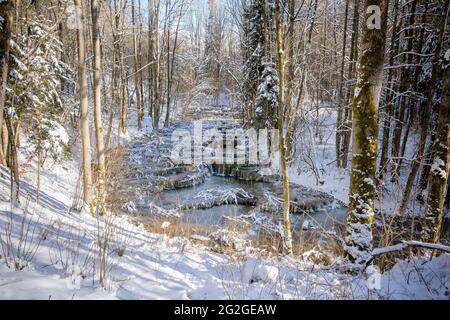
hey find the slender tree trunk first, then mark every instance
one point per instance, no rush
(339, 123)
(403, 87)
(168, 66)
(13, 161)
(151, 16)
(136, 66)
(426, 166)
(172, 65)
(157, 67)
(358, 237)
(4, 141)
(82, 79)
(306, 52)
(290, 77)
(388, 112)
(97, 67)
(122, 100)
(38, 179)
(351, 92)
(112, 106)
(283, 152)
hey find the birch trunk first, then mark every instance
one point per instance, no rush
(283, 152)
(95, 11)
(84, 121)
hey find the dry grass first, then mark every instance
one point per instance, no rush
(116, 171)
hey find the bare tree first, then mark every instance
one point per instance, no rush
(82, 82)
(281, 134)
(97, 68)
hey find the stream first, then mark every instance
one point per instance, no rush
(215, 195)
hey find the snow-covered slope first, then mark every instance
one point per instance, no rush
(141, 265)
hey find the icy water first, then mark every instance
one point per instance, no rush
(176, 197)
(217, 216)
(212, 201)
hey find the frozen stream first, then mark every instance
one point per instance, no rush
(212, 196)
(325, 217)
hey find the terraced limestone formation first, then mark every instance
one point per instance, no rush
(163, 186)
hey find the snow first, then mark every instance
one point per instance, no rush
(437, 168)
(333, 180)
(154, 268)
(255, 270)
(165, 225)
(144, 265)
(404, 244)
(447, 55)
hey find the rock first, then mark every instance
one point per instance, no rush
(218, 197)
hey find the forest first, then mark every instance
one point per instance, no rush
(225, 150)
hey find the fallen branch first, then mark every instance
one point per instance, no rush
(405, 244)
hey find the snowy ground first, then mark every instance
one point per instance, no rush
(65, 265)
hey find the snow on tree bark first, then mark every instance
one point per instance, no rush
(358, 238)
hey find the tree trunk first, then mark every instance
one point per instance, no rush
(172, 66)
(339, 123)
(403, 87)
(283, 152)
(290, 78)
(151, 16)
(13, 161)
(168, 66)
(97, 67)
(388, 112)
(347, 132)
(82, 79)
(358, 237)
(4, 142)
(38, 178)
(136, 67)
(428, 109)
(157, 67)
(6, 10)
(441, 163)
(113, 100)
